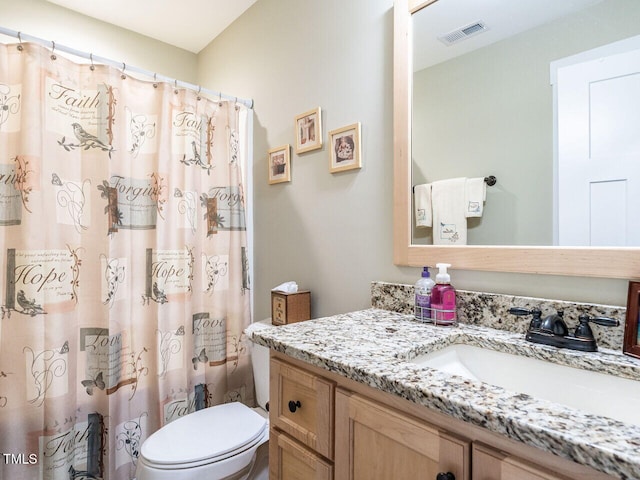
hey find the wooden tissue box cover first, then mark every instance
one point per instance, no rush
(290, 307)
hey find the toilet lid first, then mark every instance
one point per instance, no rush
(207, 434)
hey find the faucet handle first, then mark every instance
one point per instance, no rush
(536, 314)
(521, 311)
(603, 321)
(583, 330)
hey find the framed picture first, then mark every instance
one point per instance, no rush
(344, 148)
(631, 344)
(279, 164)
(308, 131)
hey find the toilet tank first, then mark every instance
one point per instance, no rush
(260, 362)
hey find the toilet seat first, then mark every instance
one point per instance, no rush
(195, 439)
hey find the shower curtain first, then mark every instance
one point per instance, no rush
(124, 285)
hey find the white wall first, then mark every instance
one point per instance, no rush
(331, 233)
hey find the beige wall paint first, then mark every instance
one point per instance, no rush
(51, 22)
(331, 233)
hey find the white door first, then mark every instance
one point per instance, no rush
(598, 142)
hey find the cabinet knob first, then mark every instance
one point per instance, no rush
(293, 406)
(445, 476)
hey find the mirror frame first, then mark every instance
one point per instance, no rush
(608, 262)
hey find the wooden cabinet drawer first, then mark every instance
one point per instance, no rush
(375, 442)
(492, 464)
(288, 460)
(301, 404)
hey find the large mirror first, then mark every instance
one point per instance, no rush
(488, 79)
(488, 105)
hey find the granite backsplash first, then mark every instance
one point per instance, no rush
(491, 310)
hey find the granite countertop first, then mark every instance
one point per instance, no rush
(374, 347)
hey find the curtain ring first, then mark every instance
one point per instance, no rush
(20, 47)
(124, 67)
(175, 86)
(53, 47)
(92, 67)
(199, 90)
(219, 99)
(235, 104)
(155, 82)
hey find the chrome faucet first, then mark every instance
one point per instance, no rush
(554, 331)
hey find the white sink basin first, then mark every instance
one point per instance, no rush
(591, 392)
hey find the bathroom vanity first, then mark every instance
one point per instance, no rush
(349, 401)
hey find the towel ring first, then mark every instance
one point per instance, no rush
(491, 180)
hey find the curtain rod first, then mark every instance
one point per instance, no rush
(121, 65)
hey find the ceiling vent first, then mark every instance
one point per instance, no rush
(462, 33)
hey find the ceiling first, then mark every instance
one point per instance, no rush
(193, 24)
(187, 24)
(503, 19)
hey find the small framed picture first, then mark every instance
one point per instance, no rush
(344, 148)
(279, 164)
(631, 344)
(309, 131)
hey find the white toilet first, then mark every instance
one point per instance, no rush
(228, 441)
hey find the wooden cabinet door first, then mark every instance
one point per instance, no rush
(301, 404)
(375, 442)
(288, 460)
(492, 464)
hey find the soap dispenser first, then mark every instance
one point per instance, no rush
(423, 287)
(443, 298)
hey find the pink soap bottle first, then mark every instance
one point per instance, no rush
(443, 298)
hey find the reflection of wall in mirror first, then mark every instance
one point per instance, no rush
(490, 112)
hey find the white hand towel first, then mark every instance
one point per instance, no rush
(475, 194)
(449, 220)
(422, 204)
